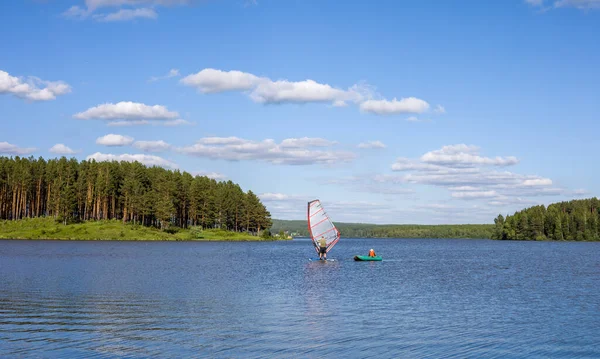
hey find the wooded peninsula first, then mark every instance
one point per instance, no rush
(126, 194)
(576, 220)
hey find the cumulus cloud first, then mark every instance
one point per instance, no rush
(462, 155)
(148, 160)
(371, 144)
(213, 81)
(61, 149)
(127, 111)
(125, 9)
(387, 107)
(113, 140)
(461, 170)
(10, 149)
(32, 88)
(152, 146)
(538, 182)
(264, 90)
(290, 151)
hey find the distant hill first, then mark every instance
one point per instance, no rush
(364, 230)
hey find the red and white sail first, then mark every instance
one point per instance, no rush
(320, 225)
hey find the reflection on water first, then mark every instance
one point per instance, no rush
(428, 298)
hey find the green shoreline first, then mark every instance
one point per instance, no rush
(49, 229)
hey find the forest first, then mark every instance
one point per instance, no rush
(71, 192)
(363, 230)
(576, 220)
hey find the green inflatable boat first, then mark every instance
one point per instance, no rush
(367, 258)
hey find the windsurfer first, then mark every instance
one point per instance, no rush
(322, 248)
(371, 253)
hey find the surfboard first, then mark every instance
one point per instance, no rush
(321, 260)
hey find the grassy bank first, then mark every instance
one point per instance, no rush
(48, 228)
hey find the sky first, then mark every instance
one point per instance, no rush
(424, 112)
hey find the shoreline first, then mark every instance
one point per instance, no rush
(116, 230)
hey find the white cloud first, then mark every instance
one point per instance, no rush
(267, 91)
(10, 149)
(213, 81)
(273, 197)
(237, 149)
(372, 144)
(439, 109)
(127, 14)
(538, 182)
(461, 170)
(128, 111)
(172, 73)
(306, 142)
(152, 146)
(126, 9)
(405, 164)
(212, 175)
(114, 140)
(60, 148)
(283, 91)
(387, 107)
(33, 88)
(148, 160)
(474, 194)
(221, 140)
(464, 156)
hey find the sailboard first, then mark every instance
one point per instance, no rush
(320, 225)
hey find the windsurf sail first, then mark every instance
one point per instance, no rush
(320, 225)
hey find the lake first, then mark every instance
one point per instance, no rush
(428, 298)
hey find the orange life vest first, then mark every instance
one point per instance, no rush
(371, 253)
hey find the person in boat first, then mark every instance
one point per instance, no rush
(372, 253)
(322, 248)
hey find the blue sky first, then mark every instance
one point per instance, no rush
(388, 111)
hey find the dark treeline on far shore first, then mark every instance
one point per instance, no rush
(73, 191)
(576, 220)
(360, 230)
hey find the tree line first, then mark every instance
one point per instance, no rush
(73, 191)
(361, 230)
(576, 220)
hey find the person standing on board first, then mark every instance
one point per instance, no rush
(322, 248)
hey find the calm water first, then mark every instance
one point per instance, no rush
(428, 298)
